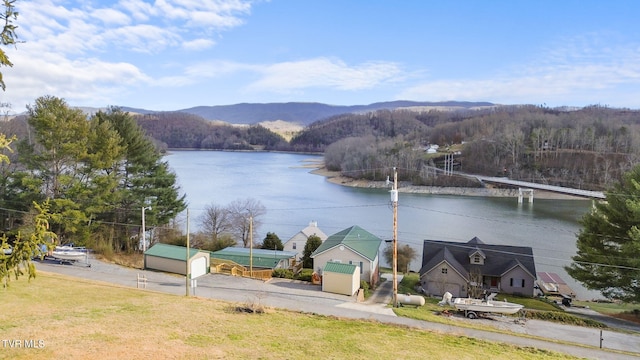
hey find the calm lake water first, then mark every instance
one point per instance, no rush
(293, 197)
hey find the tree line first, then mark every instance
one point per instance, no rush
(179, 130)
(95, 173)
(590, 148)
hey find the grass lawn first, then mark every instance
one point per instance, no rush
(54, 316)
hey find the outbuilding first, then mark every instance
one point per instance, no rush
(341, 278)
(172, 259)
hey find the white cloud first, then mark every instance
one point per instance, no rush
(576, 70)
(198, 44)
(74, 50)
(324, 73)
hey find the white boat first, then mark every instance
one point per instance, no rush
(474, 307)
(68, 253)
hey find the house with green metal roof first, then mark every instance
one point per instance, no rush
(172, 258)
(355, 246)
(257, 258)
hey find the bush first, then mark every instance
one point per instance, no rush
(305, 275)
(365, 287)
(282, 273)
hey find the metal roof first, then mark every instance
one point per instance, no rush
(340, 268)
(356, 238)
(262, 258)
(171, 251)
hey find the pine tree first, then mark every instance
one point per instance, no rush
(608, 256)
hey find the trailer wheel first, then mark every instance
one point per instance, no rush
(472, 315)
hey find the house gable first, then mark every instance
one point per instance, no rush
(493, 261)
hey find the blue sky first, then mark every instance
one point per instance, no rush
(170, 55)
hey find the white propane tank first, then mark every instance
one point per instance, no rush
(416, 300)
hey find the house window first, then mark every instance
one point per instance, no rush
(513, 281)
(476, 259)
(444, 270)
(294, 246)
(361, 271)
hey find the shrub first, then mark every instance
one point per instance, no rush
(282, 273)
(305, 275)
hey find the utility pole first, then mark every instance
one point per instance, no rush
(394, 200)
(188, 267)
(251, 246)
(143, 236)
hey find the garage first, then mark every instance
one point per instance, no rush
(341, 278)
(172, 259)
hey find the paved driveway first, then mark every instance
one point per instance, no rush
(304, 297)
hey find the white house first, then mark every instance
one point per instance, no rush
(297, 241)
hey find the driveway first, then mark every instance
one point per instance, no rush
(308, 298)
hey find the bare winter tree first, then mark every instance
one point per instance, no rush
(215, 221)
(243, 214)
(475, 283)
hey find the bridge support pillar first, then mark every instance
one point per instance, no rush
(522, 192)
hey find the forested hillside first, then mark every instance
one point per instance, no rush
(182, 130)
(587, 148)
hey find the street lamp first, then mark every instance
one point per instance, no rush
(142, 231)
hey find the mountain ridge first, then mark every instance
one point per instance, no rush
(303, 113)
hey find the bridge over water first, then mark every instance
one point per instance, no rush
(530, 185)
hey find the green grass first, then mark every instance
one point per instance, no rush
(80, 319)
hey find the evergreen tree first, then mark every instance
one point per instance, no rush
(145, 181)
(608, 256)
(313, 242)
(272, 241)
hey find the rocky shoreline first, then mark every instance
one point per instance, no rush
(403, 187)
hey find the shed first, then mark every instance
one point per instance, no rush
(341, 278)
(172, 258)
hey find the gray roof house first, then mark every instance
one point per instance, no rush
(297, 242)
(458, 267)
(353, 245)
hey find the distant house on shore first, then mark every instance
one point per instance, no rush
(297, 242)
(457, 267)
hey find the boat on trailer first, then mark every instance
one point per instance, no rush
(475, 307)
(70, 254)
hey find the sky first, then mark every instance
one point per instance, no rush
(169, 55)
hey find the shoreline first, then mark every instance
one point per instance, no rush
(403, 187)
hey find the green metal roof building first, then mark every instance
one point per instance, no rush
(261, 258)
(353, 245)
(172, 258)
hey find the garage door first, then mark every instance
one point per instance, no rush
(198, 267)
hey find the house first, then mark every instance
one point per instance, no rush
(172, 258)
(341, 278)
(298, 241)
(463, 269)
(354, 246)
(256, 258)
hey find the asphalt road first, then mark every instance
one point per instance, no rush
(304, 297)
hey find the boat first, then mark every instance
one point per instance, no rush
(474, 307)
(69, 254)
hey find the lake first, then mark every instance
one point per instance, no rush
(293, 197)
